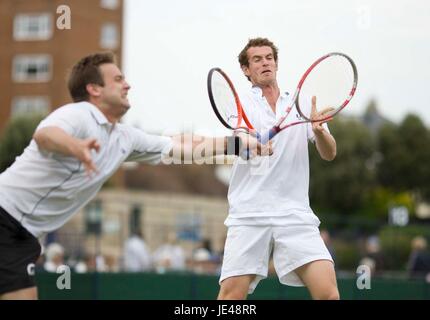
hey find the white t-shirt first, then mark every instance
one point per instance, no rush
(137, 257)
(272, 190)
(43, 190)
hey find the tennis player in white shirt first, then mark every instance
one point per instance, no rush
(269, 210)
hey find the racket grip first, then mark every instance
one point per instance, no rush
(263, 139)
(267, 136)
(246, 154)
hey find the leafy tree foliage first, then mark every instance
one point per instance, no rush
(16, 137)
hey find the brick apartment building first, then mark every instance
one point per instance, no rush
(37, 48)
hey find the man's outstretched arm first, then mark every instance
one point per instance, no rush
(56, 140)
(199, 147)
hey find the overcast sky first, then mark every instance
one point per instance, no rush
(170, 45)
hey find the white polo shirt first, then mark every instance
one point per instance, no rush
(43, 190)
(272, 190)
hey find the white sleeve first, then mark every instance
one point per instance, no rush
(147, 147)
(69, 118)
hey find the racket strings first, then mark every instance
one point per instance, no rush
(331, 82)
(225, 100)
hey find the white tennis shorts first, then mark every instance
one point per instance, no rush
(248, 248)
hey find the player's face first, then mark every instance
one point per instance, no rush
(115, 91)
(262, 66)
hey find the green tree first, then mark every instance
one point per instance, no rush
(405, 151)
(16, 137)
(382, 199)
(343, 185)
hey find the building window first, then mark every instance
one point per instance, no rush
(31, 104)
(109, 4)
(109, 36)
(32, 27)
(32, 68)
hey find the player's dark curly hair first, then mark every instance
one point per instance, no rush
(256, 42)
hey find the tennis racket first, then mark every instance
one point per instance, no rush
(332, 79)
(225, 101)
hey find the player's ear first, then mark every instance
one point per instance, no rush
(93, 89)
(245, 70)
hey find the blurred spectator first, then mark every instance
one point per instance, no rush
(325, 235)
(54, 257)
(137, 257)
(370, 263)
(80, 266)
(91, 262)
(111, 263)
(373, 256)
(419, 259)
(202, 262)
(204, 259)
(77, 262)
(169, 256)
(95, 263)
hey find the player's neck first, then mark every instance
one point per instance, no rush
(105, 110)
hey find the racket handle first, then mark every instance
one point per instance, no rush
(267, 136)
(263, 139)
(245, 154)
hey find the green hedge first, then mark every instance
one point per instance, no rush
(187, 286)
